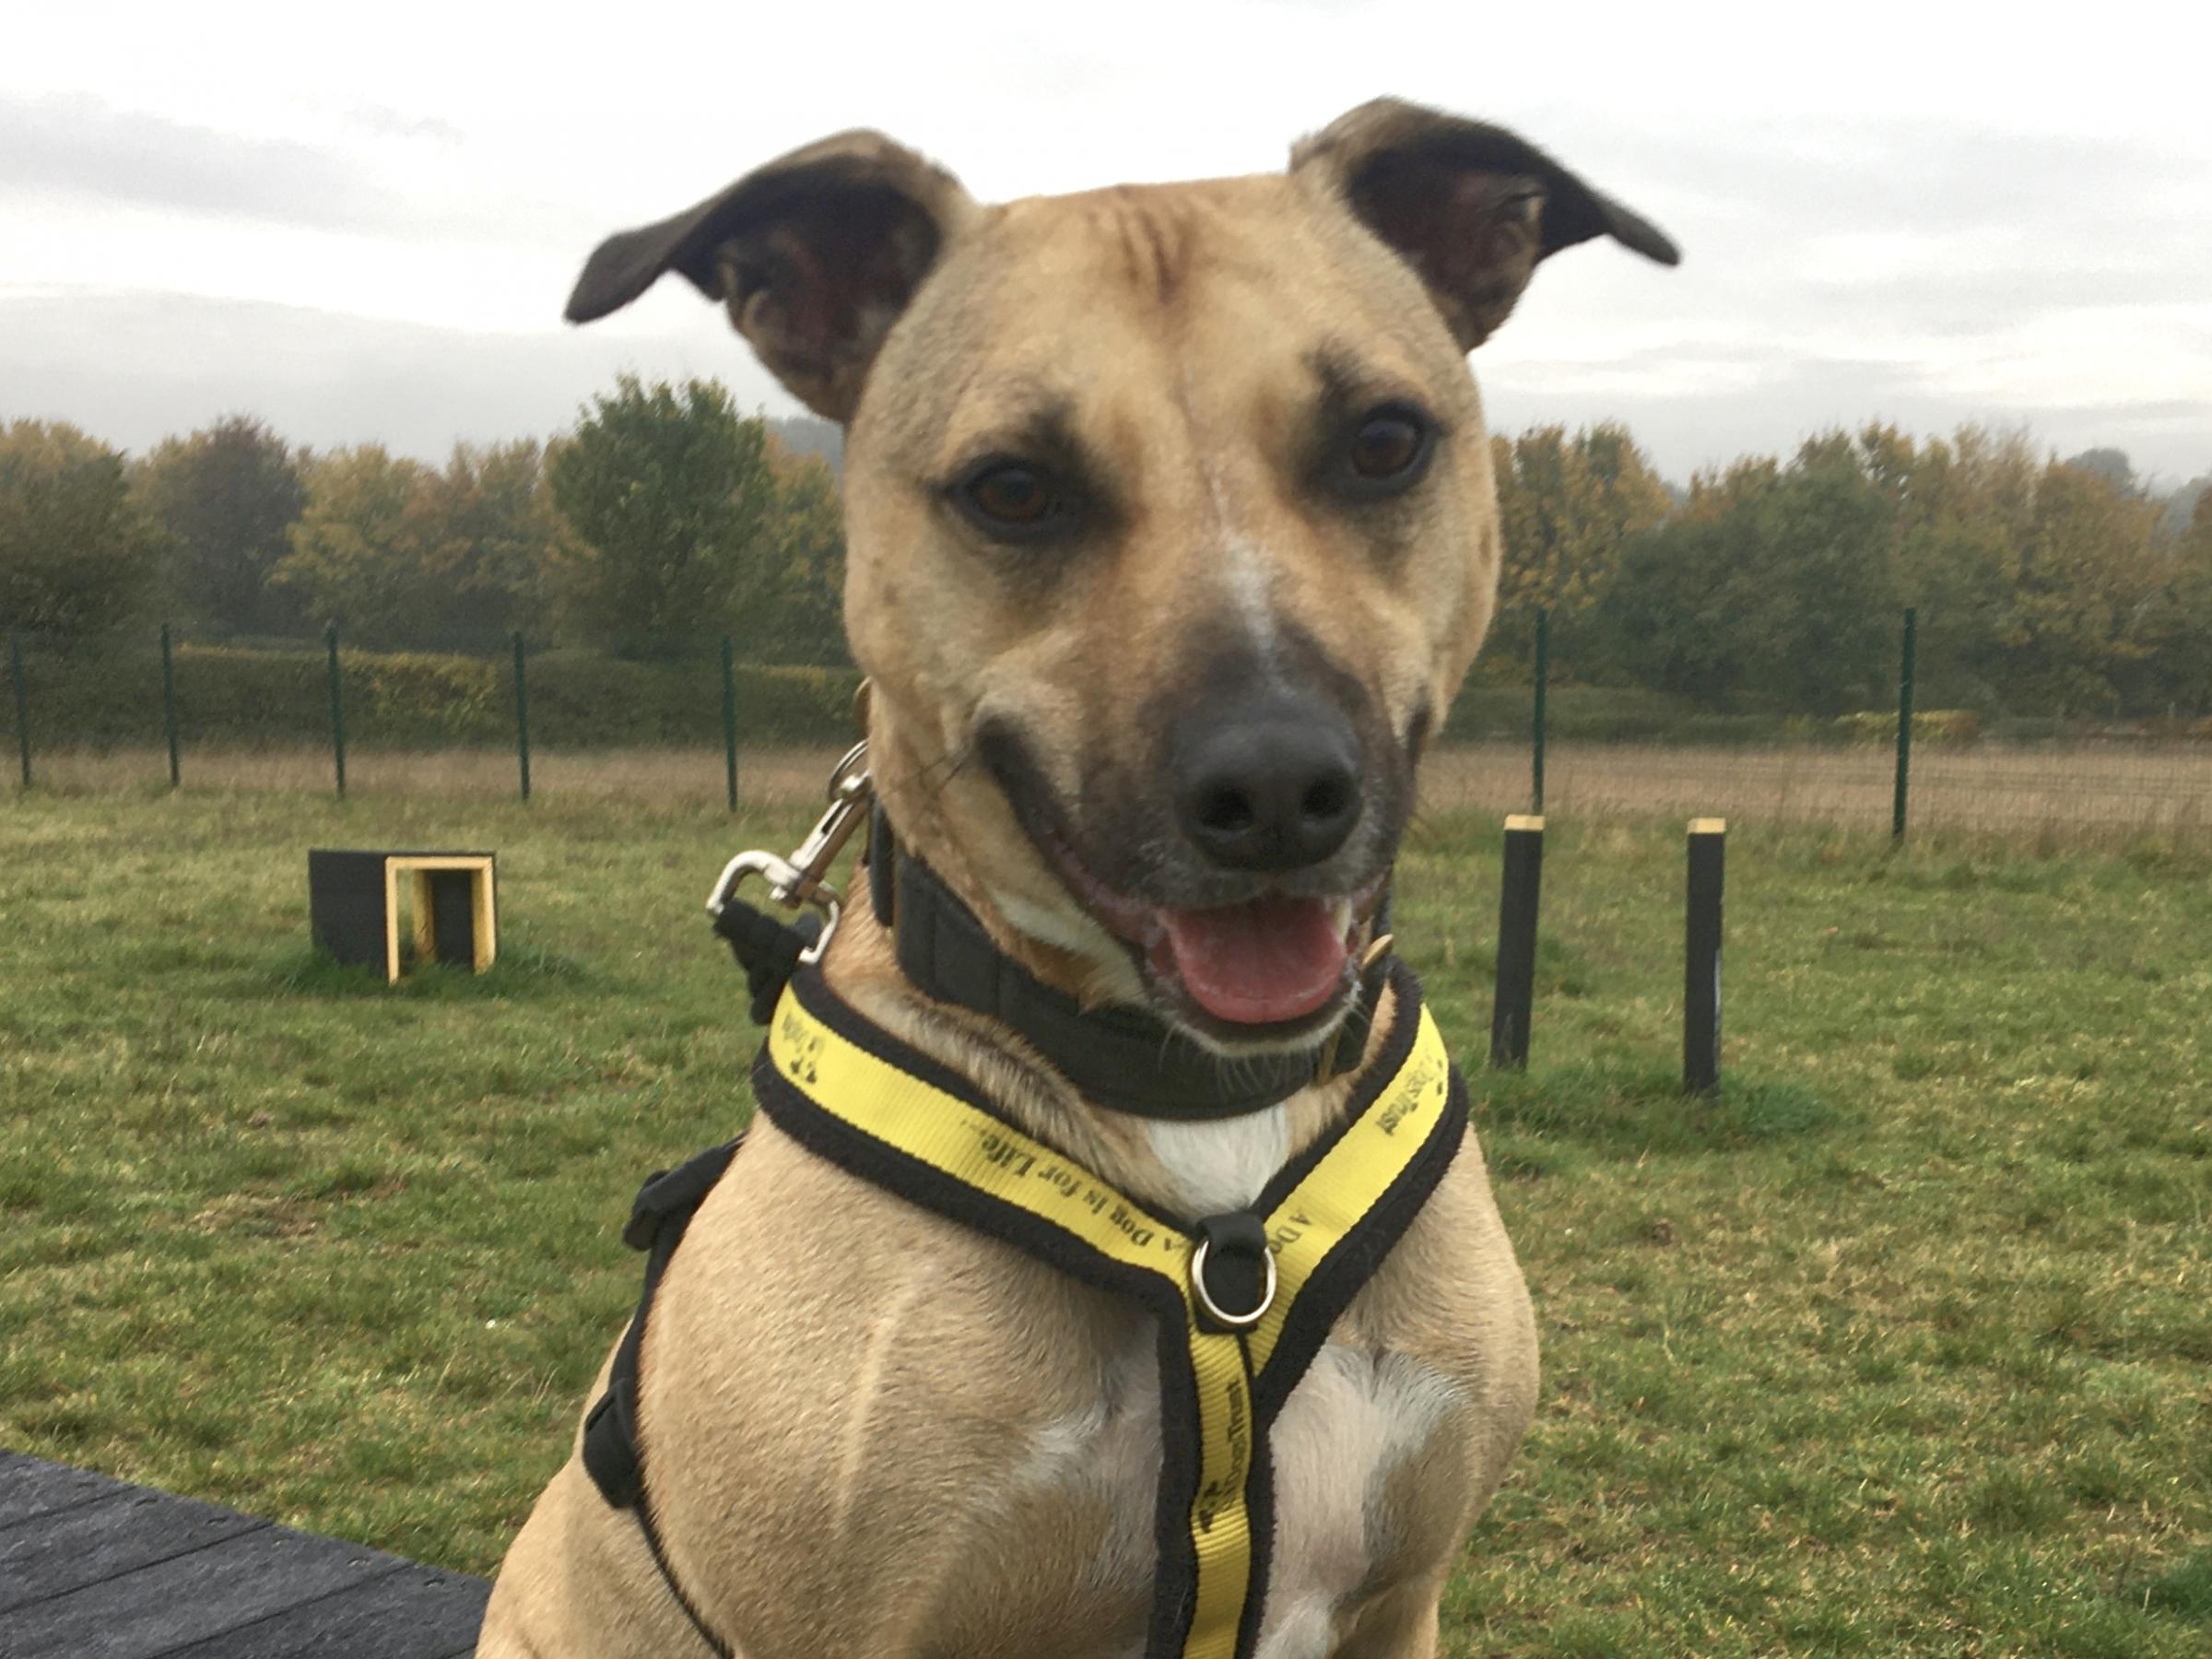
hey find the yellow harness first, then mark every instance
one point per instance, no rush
(858, 1097)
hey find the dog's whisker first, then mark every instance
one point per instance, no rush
(932, 779)
(953, 767)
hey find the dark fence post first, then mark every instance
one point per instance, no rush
(1523, 878)
(1543, 674)
(729, 718)
(1904, 726)
(337, 710)
(169, 708)
(1702, 958)
(521, 713)
(14, 664)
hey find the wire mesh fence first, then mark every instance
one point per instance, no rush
(702, 721)
(681, 719)
(2118, 786)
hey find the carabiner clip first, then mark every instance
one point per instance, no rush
(799, 879)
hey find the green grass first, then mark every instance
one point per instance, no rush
(1903, 1344)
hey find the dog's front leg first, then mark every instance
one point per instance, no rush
(1401, 1623)
(579, 1582)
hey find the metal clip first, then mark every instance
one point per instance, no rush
(1204, 1292)
(800, 878)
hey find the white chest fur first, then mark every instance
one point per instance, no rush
(1221, 1165)
(1352, 1422)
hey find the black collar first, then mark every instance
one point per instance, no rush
(1119, 1058)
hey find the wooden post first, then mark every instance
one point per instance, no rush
(168, 707)
(337, 711)
(14, 664)
(1702, 958)
(521, 715)
(1904, 728)
(729, 718)
(1523, 878)
(1537, 745)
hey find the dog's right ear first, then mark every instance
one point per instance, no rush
(1471, 208)
(815, 254)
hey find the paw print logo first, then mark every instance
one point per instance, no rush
(805, 1056)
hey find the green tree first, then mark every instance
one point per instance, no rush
(1566, 508)
(2084, 584)
(807, 536)
(493, 543)
(2188, 653)
(1770, 586)
(2175, 670)
(399, 553)
(2111, 465)
(363, 549)
(668, 493)
(76, 554)
(225, 499)
(1954, 507)
(2175, 513)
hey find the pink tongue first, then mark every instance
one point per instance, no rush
(1255, 964)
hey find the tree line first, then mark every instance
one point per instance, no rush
(2043, 586)
(663, 517)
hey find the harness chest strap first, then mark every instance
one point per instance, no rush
(854, 1095)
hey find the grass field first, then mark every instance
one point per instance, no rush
(1901, 1346)
(2109, 794)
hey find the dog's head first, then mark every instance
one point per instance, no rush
(1170, 516)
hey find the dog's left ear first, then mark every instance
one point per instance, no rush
(816, 255)
(1470, 206)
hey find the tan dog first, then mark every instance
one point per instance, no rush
(1171, 531)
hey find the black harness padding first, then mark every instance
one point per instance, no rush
(1124, 1059)
(612, 1455)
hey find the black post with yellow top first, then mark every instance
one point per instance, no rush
(1518, 893)
(1702, 956)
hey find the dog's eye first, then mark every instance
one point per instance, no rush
(1006, 495)
(1389, 448)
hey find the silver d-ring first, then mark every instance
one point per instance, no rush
(1235, 1322)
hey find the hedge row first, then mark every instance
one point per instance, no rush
(101, 696)
(1608, 714)
(111, 697)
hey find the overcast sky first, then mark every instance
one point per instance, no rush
(361, 221)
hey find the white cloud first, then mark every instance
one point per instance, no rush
(340, 217)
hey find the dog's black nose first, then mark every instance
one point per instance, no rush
(1273, 785)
